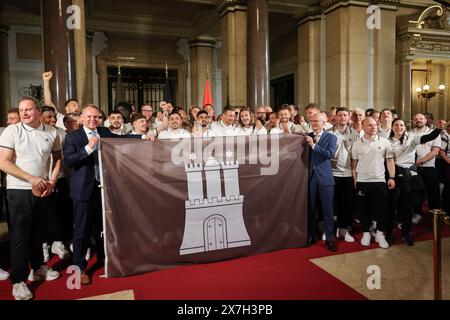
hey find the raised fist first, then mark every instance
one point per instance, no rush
(46, 76)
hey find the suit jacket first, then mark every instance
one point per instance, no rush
(82, 178)
(320, 158)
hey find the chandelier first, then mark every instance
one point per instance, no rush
(427, 91)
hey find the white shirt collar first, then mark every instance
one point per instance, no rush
(41, 127)
(88, 131)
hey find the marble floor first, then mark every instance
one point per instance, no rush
(119, 295)
(405, 272)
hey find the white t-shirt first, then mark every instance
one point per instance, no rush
(220, 129)
(59, 121)
(174, 134)
(32, 150)
(252, 130)
(341, 162)
(371, 156)
(423, 149)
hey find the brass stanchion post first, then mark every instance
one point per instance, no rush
(437, 213)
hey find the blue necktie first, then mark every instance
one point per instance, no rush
(96, 167)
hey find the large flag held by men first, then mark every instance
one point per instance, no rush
(175, 202)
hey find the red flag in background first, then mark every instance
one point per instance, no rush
(207, 98)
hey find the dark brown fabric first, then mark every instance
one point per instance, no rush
(145, 195)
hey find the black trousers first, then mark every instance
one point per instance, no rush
(87, 219)
(446, 196)
(63, 211)
(430, 179)
(372, 198)
(344, 197)
(28, 221)
(405, 207)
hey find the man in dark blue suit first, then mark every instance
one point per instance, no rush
(321, 182)
(81, 155)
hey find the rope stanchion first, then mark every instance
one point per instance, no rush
(439, 217)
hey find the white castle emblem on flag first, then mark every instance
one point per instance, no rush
(213, 222)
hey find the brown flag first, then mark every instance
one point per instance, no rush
(168, 203)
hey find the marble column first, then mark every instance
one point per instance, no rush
(201, 62)
(89, 86)
(309, 61)
(258, 93)
(447, 92)
(233, 22)
(384, 61)
(79, 37)
(5, 102)
(59, 54)
(405, 102)
(347, 57)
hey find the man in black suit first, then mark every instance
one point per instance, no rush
(81, 155)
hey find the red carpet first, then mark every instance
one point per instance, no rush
(282, 275)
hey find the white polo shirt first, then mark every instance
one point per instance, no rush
(371, 156)
(445, 142)
(32, 150)
(404, 153)
(174, 134)
(425, 148)
(341, 162)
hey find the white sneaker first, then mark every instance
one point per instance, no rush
(59, 249)
(324, 237)
(381, 240)
(21, 292)
(399, 225)
(3, 274)
(365, 240)
(348, 237)
(45, 248)
(416, 218)
(357, 220)
(88, 254)
(44, 273)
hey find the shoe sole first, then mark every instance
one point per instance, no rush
(26, 298)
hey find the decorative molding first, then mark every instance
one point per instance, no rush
(202, 42)
(422, 42)
(312, 15)
(225, 6)
(331, 5)
(434, 17)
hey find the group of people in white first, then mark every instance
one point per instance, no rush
(382, 172)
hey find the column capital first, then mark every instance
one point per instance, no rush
(202, 42)
(311, 15)
(330, 5)
(4, 28)
(225, 6)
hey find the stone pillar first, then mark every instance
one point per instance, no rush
(405, 102)
(201, 61)
(384, 61)
(347, 57)
(58, 51)
(258, 93)
(89, 86)
(80, 55)
(233, 15)
(5, 99)
(309, 60)
(446, 105)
